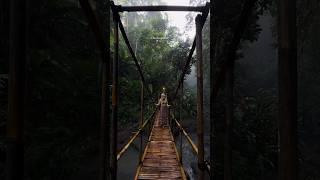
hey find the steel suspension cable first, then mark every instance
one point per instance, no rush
(193, 47)
(125, 37)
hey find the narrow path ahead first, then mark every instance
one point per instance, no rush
(160, 159)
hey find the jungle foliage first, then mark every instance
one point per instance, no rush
(62, 127)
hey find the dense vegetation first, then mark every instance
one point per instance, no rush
(161, 51)
(62, 128)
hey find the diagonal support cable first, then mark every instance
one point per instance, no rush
(188, 61)
(125, 37)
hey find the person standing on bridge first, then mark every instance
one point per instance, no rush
(163, 105)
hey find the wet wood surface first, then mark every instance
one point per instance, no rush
(160, 159)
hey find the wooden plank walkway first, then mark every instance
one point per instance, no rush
(160, 159)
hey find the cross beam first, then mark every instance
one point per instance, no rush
(160, 8)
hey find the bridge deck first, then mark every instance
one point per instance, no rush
(160, 159)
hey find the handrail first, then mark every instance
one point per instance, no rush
(125, 147)
(194, 147)
(205, 12)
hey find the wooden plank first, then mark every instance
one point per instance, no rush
(160, 160)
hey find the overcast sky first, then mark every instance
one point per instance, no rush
(178, 19)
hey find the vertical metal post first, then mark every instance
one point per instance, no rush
(115, 96)
(170, 120)
(201, 164)
(228, 121)
(180, 120)
(141, 119)
(217, 128)
(287, 89)
(212, 54)
(16, 93)
(150, 124)
(105, 123)
(180, 107)
(181, 145)
(103, 12)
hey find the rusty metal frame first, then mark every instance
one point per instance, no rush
(193, 48)
(160, 8)
(287, 75)
(115, 97)
(200, 106)
(141, 116)
(197, 43)
(116, 11)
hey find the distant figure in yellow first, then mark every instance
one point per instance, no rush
(163, 104)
